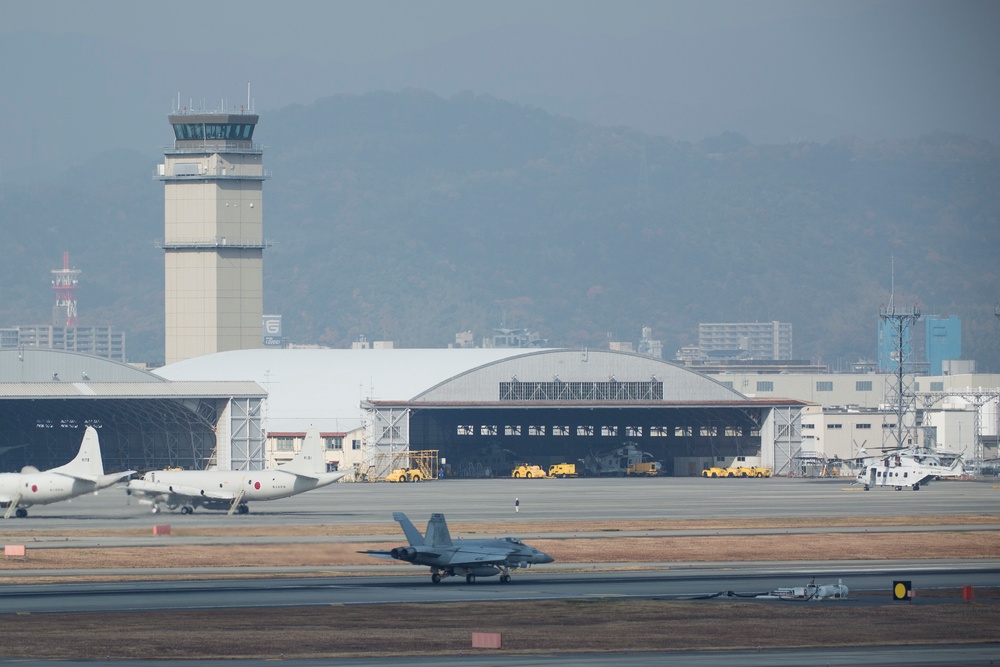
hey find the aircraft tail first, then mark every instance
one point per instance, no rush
(437, 532)
(310, 460)
(88, 462)
(413, 535)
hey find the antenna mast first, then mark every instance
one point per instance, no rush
(899, 392)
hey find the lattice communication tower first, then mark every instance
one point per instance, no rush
(899, 391)
(64, 282)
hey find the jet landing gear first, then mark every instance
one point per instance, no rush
(187, 509)
(470, 578)
(21, 513)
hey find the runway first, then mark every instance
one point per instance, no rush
(552, 500)
(871, 583)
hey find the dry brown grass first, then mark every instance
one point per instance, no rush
(525, 527)
(840, 546)
(526, 627)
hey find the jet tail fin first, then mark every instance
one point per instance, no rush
(412, 534)
(88, 462)
(310, 460)
(437, 532)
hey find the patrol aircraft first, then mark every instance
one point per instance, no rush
(231, 489)
(473, 558)
(85, 473)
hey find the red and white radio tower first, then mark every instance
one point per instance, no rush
(64, 282)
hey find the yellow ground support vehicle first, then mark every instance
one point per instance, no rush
(714, 471)
(644, 469)
(748, 471)
(405, 475)
(529, 471)
(562, 470)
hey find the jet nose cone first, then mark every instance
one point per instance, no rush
(543, 557)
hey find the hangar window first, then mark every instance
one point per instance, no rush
(336, 442)
(862, 426)
(809, 426)
(466, 429)
(585, 430)
(536, 430)
(937, 386)
(390, 433)
(488, 429)
(609, 431)
(512, 429)
(355, 444)
(683, 431)
(824, 386)
(765, 386)
(284, 444)
(659, 431)
(732, 432)
(581, 391)
(560, 430)
(633, 431)
(834, 426)
(709, 431)
(863, 385)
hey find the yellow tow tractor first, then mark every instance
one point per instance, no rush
(529, 471)
(405, 475)
(714, 471)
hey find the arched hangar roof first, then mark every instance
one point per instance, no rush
(578, 375)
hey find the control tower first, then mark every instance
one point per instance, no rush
(213, 234)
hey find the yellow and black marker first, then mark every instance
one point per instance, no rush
(902, 591)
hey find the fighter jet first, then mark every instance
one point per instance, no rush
(231, 489)
(85, 473)
(473, 558)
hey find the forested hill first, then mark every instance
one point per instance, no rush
(410, 217)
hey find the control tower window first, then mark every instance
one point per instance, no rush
(213, 131)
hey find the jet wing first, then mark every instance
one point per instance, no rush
(319, 477)
(101, 480)
(470, 555)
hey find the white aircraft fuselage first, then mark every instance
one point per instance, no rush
(231, 490)
(222, 485)
(42, 488)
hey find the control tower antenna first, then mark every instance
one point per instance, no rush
(64, 282)
(899, 391)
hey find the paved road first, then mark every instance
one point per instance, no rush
(538, 584)
(893, 656)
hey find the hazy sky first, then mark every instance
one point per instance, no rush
(774, 70)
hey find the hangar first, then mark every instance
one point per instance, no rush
(562, 405)
(48, 397)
